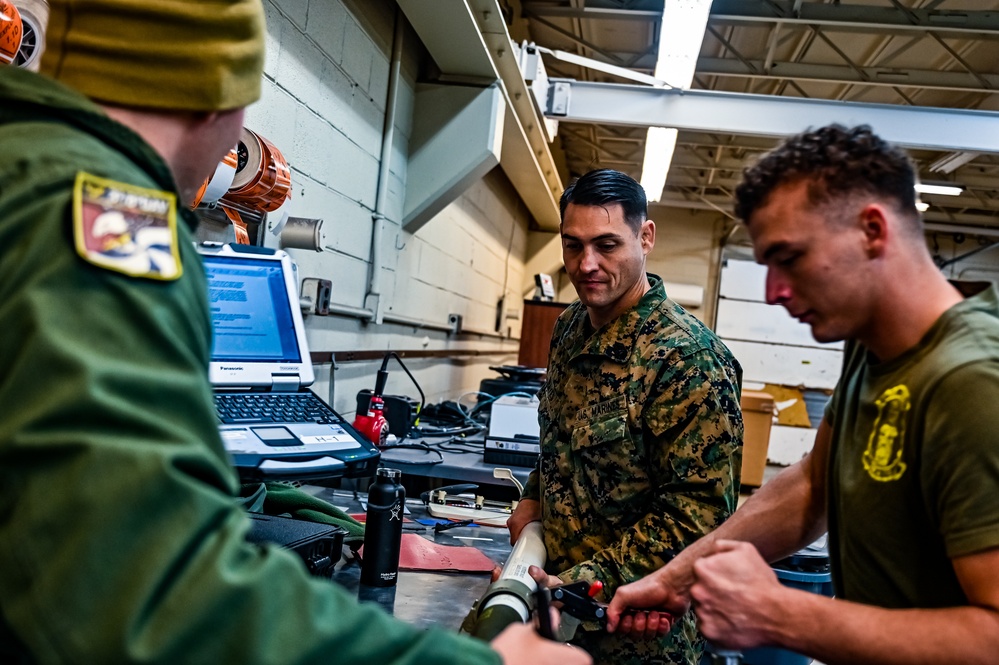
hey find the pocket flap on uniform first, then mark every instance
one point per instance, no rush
(603, 421)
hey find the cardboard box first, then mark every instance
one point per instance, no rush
(757, 417)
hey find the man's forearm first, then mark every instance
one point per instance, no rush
(840, 632)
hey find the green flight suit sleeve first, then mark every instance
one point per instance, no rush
(119, 538)
(693, 442)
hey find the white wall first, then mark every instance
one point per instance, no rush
(774, 348)
(323, 105)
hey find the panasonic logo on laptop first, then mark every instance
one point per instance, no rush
(231, 369)
(289, 367)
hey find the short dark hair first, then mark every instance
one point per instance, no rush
(607, 186)
(836, 161)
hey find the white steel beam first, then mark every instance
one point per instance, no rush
(767, 115)
(937, 220)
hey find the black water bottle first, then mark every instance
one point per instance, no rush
(383, 529)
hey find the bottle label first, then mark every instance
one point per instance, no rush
(396, 514)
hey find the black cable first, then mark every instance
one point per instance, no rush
(460, 446)
(422, 431)
(444, 413)
(393, 354)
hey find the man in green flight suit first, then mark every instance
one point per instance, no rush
(120, 540)
(641, 430)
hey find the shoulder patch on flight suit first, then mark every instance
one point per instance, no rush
(128, 229)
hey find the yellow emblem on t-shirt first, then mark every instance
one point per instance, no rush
(883, 457)
(128, 229)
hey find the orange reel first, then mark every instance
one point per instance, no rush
(261, 184)
(263, 179)
(11, 32)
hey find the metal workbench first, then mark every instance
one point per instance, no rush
(424, 599)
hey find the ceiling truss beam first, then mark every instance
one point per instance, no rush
(598, 13)
(865, 17)
(880, 76)
(775, 11)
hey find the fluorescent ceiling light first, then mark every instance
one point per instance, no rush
(942, 190)
(659, 145)
(922, 206)
(683, 26)
(680, 37)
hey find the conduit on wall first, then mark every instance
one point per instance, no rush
(372, 299)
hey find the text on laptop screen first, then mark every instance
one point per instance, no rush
(251, 313)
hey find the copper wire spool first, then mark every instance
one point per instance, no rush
(263, 179)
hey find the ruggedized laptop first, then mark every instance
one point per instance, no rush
(273, 426)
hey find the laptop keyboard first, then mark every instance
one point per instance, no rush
(273, 407)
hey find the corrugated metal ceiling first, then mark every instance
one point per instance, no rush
(935, 53)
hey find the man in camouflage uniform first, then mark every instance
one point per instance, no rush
(641, 431)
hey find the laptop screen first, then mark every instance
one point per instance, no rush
(259, 338)
(251, 316)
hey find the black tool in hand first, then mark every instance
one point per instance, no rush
(542, 605)
(577, 600)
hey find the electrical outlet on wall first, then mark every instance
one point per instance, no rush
(316, 296)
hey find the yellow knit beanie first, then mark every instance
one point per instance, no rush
(191, 55)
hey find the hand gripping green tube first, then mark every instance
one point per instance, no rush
(511, 597)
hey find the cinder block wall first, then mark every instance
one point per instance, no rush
(323, 105)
